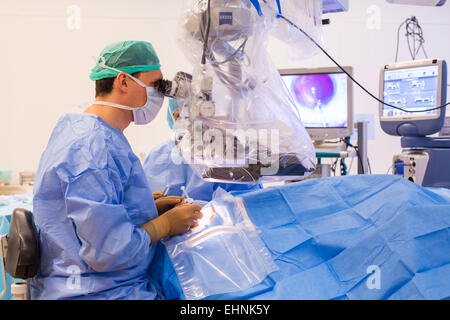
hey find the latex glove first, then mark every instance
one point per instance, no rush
(164, 204)
(175, 221)
(157, 194)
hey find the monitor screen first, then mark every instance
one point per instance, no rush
(322, 98)
(412, 89)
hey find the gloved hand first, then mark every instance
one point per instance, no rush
(175, 221)
(164, 204)
(157, 194)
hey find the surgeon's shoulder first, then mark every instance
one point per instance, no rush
(86, 140)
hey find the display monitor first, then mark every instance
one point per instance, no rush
(324, 99)
(413, 86)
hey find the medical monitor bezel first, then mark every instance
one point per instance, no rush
(415, 125)
(322, 134)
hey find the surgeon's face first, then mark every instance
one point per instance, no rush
(136, 93)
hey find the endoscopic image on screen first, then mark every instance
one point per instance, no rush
(320, 98)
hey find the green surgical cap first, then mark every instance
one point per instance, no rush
(126, 56)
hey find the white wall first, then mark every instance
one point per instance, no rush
(45, 64)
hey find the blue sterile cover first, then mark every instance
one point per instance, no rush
(353, 237)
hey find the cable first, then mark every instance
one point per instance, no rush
(398, 40)
(343, 70)
(392, 166)
(333, 167)
(351, 165)
(344, 168)
(250, 175)
(240, 50)
(370, 168)
(409, 33)
(356, 82)
(412, 24)
(413, 30)
(205, 43)
(347, 142)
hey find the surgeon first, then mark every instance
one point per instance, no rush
(169, 178)
(97, 218)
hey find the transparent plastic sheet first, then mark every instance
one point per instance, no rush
(223, 254)
(239, 122)
(307, 15)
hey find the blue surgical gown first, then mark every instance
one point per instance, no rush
(163, 171)
(90, 197)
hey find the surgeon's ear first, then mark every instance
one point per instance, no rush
(121, 82)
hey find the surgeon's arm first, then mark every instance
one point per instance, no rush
(109, 240)
(175, 221)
